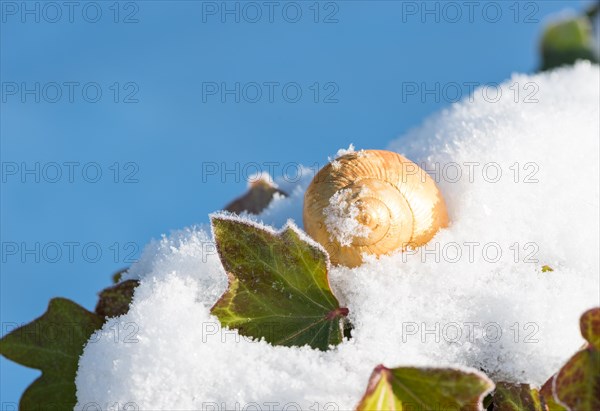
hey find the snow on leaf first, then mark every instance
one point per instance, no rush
(410, 388)
(52, 343)
(278, 285)
(517, 397)
(577, 384)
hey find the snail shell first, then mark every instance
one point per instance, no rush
(386, 201)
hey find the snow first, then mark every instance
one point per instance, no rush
(261, 177)
(341, 218)
(453, 302)
(343, 151)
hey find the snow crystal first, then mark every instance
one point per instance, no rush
(343, 151)
(520, 179)
(341, 218)
(261, 177)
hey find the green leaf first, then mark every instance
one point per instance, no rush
(278, 285)
(52, 343)
(517, 397)
(546, 268)
(567, 41)
(116, 277)
(567, 34)
(115, 300)
(425, 389)
(547, 393)
(577, 384)
(488, 402)
(590, 327)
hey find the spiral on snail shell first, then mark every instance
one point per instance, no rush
(373, 202)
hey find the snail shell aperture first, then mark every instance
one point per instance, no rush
(373, 202)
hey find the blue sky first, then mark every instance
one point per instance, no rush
(112, 114)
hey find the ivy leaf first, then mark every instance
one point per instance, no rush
(52, 343)
(117, 275)
(278, 285)
(548, 396)
(577, 384)
(115, 300)
(567, 41)
(488, 402)
(590, 327)
(411, 388)
(257, 198)
(517, 397)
